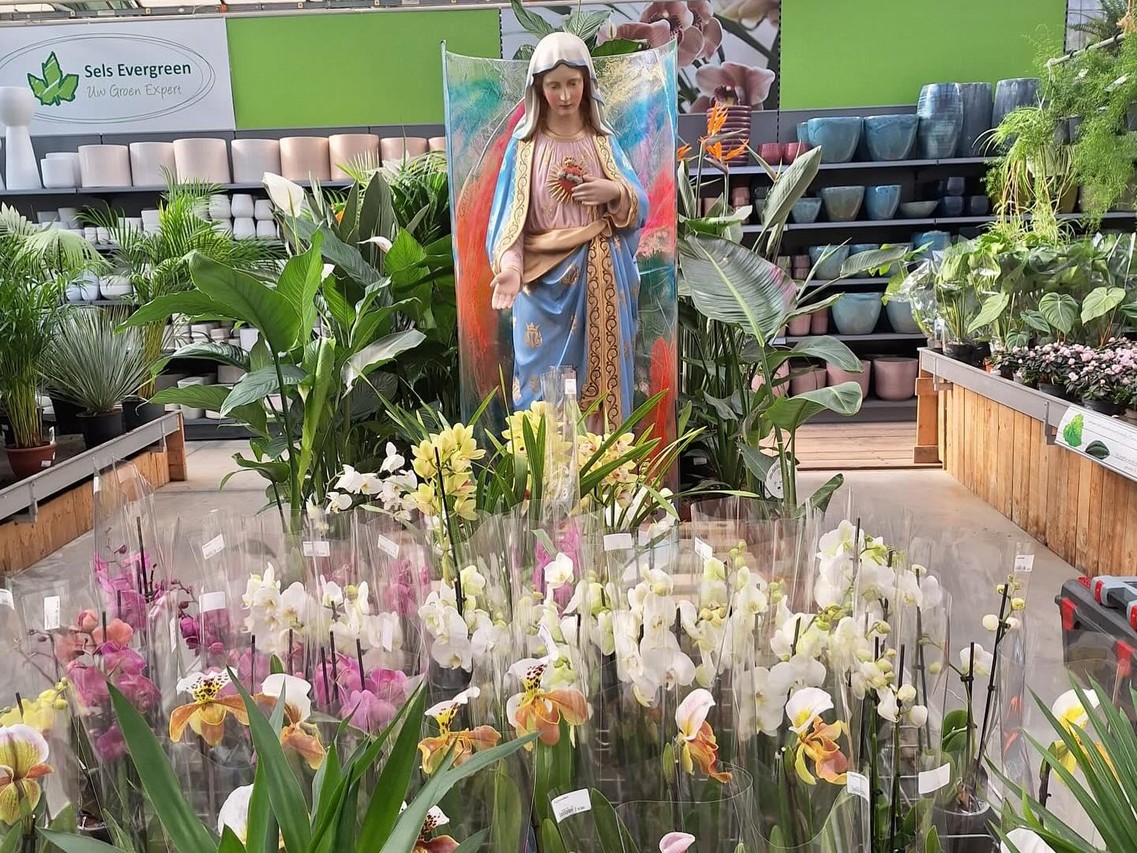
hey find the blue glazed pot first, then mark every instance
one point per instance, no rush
(805, 210)
(837, 137)
(881, 201)
(940, 109)
(858, 248)
(951, 205)
(931, 241)
(900, 317)
(979, 205)
(842, 204)
(1012, 94)
(978, 106)
(857, 313)
(890, 137)
(803, 133)
(831, 267)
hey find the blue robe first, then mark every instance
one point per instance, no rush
(581, 310)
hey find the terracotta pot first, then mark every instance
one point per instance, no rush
(26, 461)
(780, 388)
(352, 148)
(895, 377)
(819, 322)
(305, 158)
(836, 376)
(799, 326)
(792, 150)
(809, 380)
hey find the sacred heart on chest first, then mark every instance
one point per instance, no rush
(564, 178)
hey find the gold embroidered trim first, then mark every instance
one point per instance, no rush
(519, 212)
(602, 330)
(612, 171)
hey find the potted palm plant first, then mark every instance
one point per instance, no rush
(35, 265)
(96, 368)
(157, 264)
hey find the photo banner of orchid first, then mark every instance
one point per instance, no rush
(514, 643)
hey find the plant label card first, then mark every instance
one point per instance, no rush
(703, 550)
(213, 547)
(574, 802)
(51, 613)
(211, 601)
(1108, 441)
(931, 781)
(317, 549)
(857, 785)
(388, 546)
(1024, 563)
(6, 598)
(618, 542)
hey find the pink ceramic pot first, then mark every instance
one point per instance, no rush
(894, 377)
(836, 376)
(792, 150)
(808, 380)
(771, 152)
(819, 322)
(799, 326)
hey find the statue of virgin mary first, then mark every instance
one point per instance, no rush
(563, 234)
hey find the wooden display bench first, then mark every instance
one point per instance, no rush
(44, 512)
(1005, 442)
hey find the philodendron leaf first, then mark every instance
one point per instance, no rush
(1060, 310)
(1072, 432)
(993, 308)
(1100, 301)
(1097, 450)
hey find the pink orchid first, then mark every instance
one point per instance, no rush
(676, 842)
(749, 85)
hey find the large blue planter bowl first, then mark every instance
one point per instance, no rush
(940, 109)
(881, 201)
(831, 267)
(805, 210)
(842, 204)
(1012, 94)
(900, 317)
(837, 136)
(931, 241)
(857, 313)
(890, 137)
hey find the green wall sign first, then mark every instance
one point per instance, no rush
(839, 53)
(349, 69)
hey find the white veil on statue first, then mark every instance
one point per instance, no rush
(553, 50)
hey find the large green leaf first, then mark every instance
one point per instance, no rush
(877, 259)
(819, 500)
(1101, 301)
(379, 353)
(163, 788)
(254, 387)
(993, 308)
(789, 413)
(391, 787)
(315, 404)
(531, 22)
(790, 186)
(214, 351)
(250, 301)
(1060, 311)
(300, 280)
(208, 397)
(191, 303)
(732, 284)
(65, 841)
(826, 348)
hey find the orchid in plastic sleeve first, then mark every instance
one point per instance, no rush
(206, 714)
(816, 740)
(676, 842)
(23, 762)
(297, 734)
(695, 741)
(1071, 714)
(461, 743)
(539, 707)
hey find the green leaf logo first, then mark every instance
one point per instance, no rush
(1097, 450)
(55, 87)
(1072, 433)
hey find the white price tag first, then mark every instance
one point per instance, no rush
(388, 546)
(51, 611)
(857, 785)
(96, 484)
(45, 464)
(388, 638)
(570, 386)
(702, 550)
(6, 598)
(931, 781)
(210, 601)
(1024, 563)
(213, 547)
(317, 549)
(775, 488)
(574, 802)
(618, 542)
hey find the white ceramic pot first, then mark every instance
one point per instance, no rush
(392, 149)
(151, 162)
(223, 226)
(202, 159)
(266, 229)
(253, 157)
(150, 216)
(248, 338)
(134, 223)
(88, 284)
(69, 216)
(104, 165)
(91, 235)
(71, 157)
(17, 109)
(199, 332)
(115, 287)
(227, 374)
(46, 217)
(219, 336)
(74, 292)
(219, 207)
(417, 146)
(262, 210)
(361, 149)
(244, 228)
(241, 205)
(305, 158)
(437, 143)
(102, 236)
(57, 174)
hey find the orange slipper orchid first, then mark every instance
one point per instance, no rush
(206, 714)
(536, 709)
(465, 742)
(297, 733)
(23, 752)
(696, 740)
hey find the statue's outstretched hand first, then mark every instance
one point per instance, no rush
(596, 191)
(506, 285)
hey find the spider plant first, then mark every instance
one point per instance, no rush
(35, 265)
(158, 263)
(90, 364)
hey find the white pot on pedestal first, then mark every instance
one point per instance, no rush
(202, 159)
(17, 109)
(150, 162)
(104, 165)
(357, 149)
(241, 205)
(253, 157)
(244, 228)
(305, 158)
(57, 174)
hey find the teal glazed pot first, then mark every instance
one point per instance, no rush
(837, 136)
(857, 248)
(805, 210)
(978, 105)
(803, 132)
(931, 241)
(881, 201)
(830, 268)
(857, 313)
(1012, 94)
(940, 109)
(842, 204)
(890, 137)
(900, 317)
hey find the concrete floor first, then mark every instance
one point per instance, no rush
(976, 545)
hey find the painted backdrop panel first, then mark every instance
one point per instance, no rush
(840, 53)
(349, 69)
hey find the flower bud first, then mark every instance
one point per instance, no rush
(991, 622)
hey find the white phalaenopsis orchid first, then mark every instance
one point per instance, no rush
(559, 572)
(295, 692)
(761, 703)
(234, 813)
(393, 462)
(805, 706)
(980, 666)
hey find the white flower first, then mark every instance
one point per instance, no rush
(235, 812)
(350, 480)
(930, 591)
(797, 672)
(286, 196)
(382, 242)
(766, 702)
(454, 653)
(191, 683)
(980, 667)
(371, 485)
(473, 582)
(991, 622)
(294, 690)
(332, 595)
(445, 706)
(805, 706)
(692, 713)
(887, 706)
(339, 501)
(667, 666)
(435, 818)
(559, 572)
(1068, 708)
(295, 606)
(1025, 841)
(393, 461)
(908, 588)
(906, 694)
(918, 715)
(840, 540)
